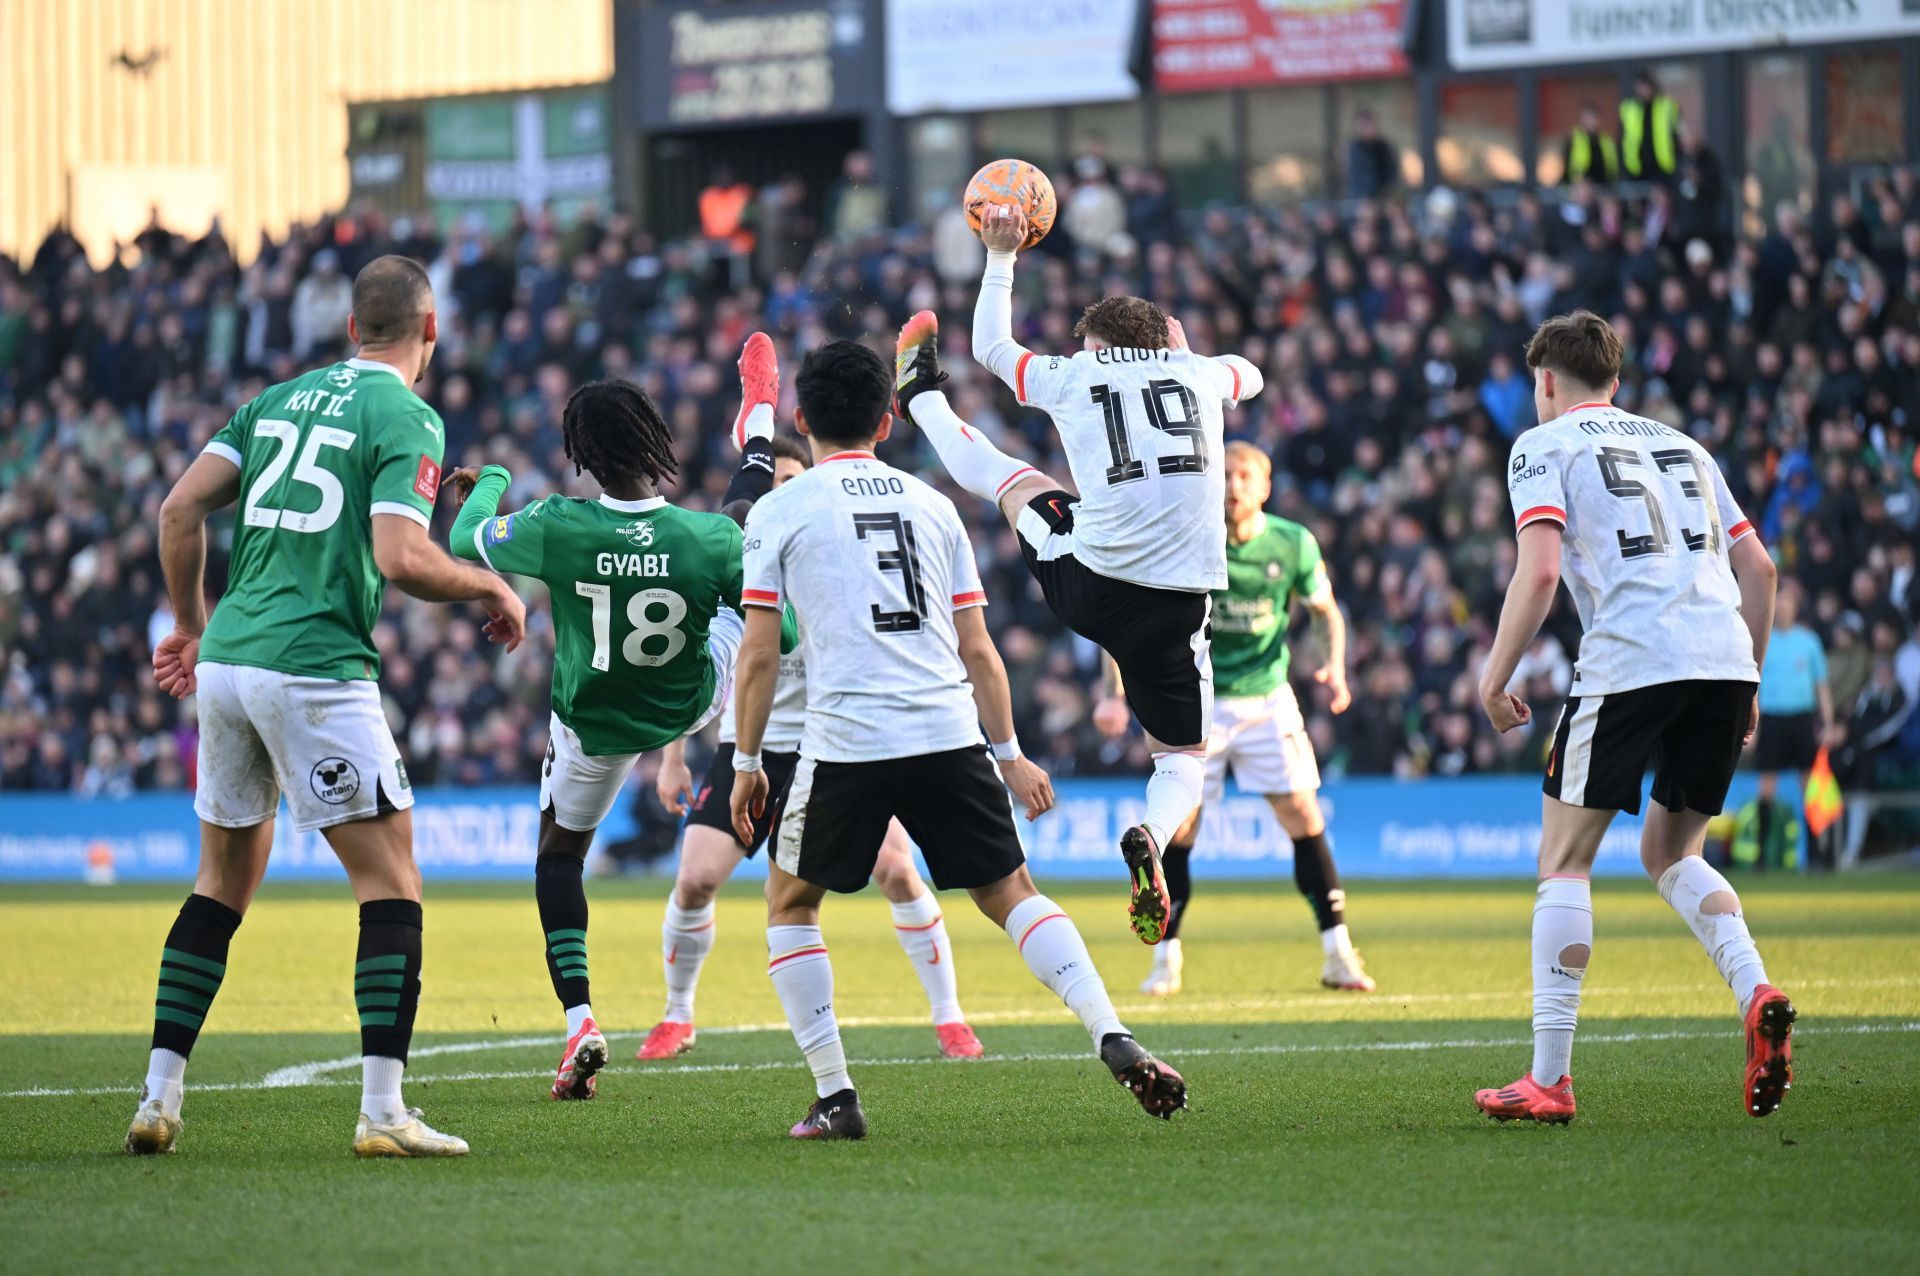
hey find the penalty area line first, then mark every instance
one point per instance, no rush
(1081, 1056)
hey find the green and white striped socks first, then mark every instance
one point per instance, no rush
(192, 965)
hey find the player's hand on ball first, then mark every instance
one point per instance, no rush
(1505, 710)
(749, 803)
(1111, 717)
(462, 481)
(1003, 229)
(173, 664)
(674, 784)
(506, 617)
(1030, 785)
(1335, 681)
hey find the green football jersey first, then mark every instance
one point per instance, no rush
(634, 585)
(1264, 576)
(318, 457)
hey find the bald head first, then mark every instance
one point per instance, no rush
(391, 297)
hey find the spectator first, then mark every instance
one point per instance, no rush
(857, 208)
(1095, 215)
(1371, 163)
(1649, 132)
(1592, 155)
(320, 307)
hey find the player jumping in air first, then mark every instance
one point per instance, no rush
(1675, 593)
(710, 851)
(1257, 728)
(336, 472)
(1129, 563)
(646, 624)
(901, 674)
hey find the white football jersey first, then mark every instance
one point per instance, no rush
(1649, 524)
(875, 563)
(789, 716)
(1143, 433)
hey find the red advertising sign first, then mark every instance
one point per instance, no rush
(1225, 44)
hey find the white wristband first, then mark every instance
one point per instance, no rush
(746, 762)
(1006, 752)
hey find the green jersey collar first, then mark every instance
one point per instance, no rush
(633, 507)
(374, 365)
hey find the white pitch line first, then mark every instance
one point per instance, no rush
(1356, 1047)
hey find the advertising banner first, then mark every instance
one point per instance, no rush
(1474, 827)
(1230, 44)
(493, 154)
(702, 64)
(987, 54)
(1485, 34)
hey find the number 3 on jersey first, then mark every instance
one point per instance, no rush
(633, 648)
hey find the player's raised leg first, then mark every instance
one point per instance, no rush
(753, 426)
(193, 963)
(1562, 946)
(1050, 944)
(922, 932)
(969, 455)
(802, 975)
(1670, 850)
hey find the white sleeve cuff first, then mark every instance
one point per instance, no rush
(480, 541)
(405, 511)
(999, 268)
(225, 451)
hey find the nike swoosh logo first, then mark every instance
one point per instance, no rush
(672, 953)
(936, 957)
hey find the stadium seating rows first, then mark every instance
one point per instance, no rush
(1391, 335)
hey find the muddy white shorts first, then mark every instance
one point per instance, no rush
(1264, 740)
(323, 743)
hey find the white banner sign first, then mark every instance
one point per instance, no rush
(973, 55)
(1482, 34)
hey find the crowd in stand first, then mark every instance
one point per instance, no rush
(1391, 335)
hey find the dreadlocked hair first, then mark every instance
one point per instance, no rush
(613, 431)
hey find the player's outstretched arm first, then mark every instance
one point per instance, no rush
(1529, 596)
(211, 483)
(1003, 230)
(994, 699)
(407, 557)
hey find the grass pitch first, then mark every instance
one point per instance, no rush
(1327, 1132)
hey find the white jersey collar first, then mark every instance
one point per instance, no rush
(374, 365)
(632, 507)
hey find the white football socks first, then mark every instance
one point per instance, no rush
(166, 1079)
(803, 978)
(686, 937)
(1562, 946)
(380, 1100)
(1706, 902)
(1053, 950)
(760, 421)
(577, 1017)
(1173, 793)
(970, 457)
(923, 934)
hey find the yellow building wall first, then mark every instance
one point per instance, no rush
(243, 109)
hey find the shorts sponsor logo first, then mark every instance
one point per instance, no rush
(638, 532)
(426, 480)
(400, 770)
(335, 781)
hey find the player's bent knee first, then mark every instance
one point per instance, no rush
(997, 899)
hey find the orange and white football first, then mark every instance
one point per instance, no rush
(1012, 181)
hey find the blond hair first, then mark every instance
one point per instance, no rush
(1241, 450)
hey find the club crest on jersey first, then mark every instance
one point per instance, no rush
(1273, 571)
(638, 532)
(343, 376)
